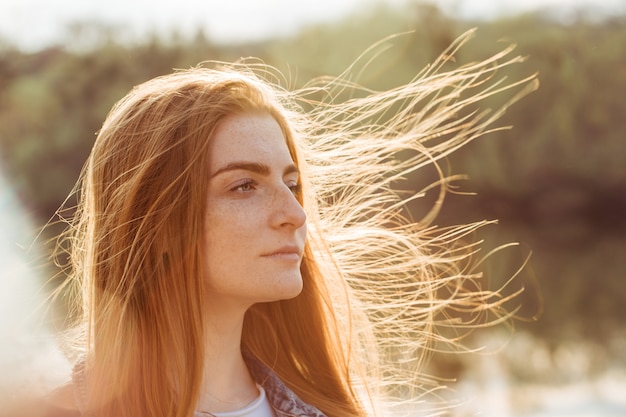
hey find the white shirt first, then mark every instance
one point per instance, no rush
(260, 407)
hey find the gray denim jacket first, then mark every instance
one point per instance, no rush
(283, 400)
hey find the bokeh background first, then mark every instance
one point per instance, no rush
(556, 182)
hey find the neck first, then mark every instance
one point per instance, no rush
(226, 384)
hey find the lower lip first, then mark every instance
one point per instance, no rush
(286, 256)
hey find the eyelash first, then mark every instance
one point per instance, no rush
(296, 188)
(245, 183)
(251, 184)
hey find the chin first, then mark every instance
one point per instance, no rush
(295, 292)
(287, 289)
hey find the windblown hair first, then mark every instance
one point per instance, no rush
(374, 279)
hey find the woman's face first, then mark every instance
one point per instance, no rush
(255, 227)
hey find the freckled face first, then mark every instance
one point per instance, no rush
(255, 227)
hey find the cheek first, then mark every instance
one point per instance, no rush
(229, 229)
(303, 231)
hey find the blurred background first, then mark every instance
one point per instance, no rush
(556, 182)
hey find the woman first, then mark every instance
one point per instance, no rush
(237, 254)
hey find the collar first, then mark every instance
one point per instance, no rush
(283, 400)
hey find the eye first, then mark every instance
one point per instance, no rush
(295, 187)
(244, 186)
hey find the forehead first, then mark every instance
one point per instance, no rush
(248, 136)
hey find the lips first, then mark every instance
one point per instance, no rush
(285, 252)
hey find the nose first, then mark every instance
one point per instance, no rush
(288, 211)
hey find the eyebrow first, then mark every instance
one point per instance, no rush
(256, 167)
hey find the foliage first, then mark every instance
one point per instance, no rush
(557, 181)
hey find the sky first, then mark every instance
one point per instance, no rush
(33, 24)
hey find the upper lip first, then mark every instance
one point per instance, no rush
(285, 249)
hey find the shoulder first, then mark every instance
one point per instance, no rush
(63, 400)
(58, 403)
